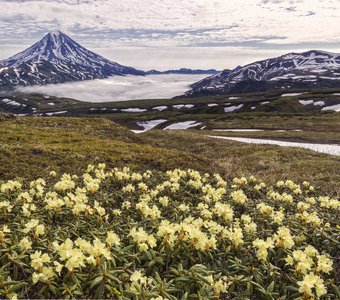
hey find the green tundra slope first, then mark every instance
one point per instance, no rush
(33, 146)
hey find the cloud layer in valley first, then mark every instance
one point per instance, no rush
(119, 88)
(251, 27)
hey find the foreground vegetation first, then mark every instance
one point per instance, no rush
(119, 234)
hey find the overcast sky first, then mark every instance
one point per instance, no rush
(164, 34)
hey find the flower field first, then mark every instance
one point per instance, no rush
(113, 233)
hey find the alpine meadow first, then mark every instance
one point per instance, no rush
(170, 150)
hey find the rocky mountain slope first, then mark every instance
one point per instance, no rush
(307, 70)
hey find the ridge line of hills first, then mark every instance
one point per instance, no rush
(57, 58)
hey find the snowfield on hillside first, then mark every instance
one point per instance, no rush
(182, 125)
(322, 148)
(148, 125)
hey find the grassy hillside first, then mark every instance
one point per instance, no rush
(33, 146)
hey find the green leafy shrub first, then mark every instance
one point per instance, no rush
(173, 235)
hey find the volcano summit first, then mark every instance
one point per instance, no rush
(57, 58)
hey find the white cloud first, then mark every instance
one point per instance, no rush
(119, 88)
(112, 24)
(173, 22)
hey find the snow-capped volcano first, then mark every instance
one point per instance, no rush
(57, 58)
(311, 69)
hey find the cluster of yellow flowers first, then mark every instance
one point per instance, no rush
(129, 222)
(142, 239)
(10, 186)
(311, 281)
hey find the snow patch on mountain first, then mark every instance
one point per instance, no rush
(312, 102)
(182, 125)
(335, 107)
(148, 125)
(133, 110)
(311, 69)
(233, 108)
(160, 108)
(291, 94)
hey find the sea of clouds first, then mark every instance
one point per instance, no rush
(119, 88)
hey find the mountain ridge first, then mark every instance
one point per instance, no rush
(310, 69)
(183, 71)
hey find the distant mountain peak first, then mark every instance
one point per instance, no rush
(54, 47)
(58, 58)
(56, 32)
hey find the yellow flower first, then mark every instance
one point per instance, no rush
(224, 211)
(235, 235)
(311, 281)
(278, 216)
(283, 238)
(221, 285)
(311, 251)
(239, 196)
(304, 264)
(250, 227)
(128, 189)
(142, 186)
(10, 186)
(91, 260)
(240, 181)
(25, 244)
(263, 246)
(137, 276)
(98, 248)
(151, 241)
(99, 209)
(289, 260)
(75, 260)
(183, 207)
(58, 267)
(65, 183)
(306, 285)
(165, 228)
(25, 196)
(37, 260)
(324, 264)
(30, 225)
(143, 247)
(12, 296)
(112, 238)
(302, 206)
(164, 201)
(40, 230)
(265, 209)
(117, 212)
(5, 229)
(6, 206)
(64, 249)
(126, 204)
